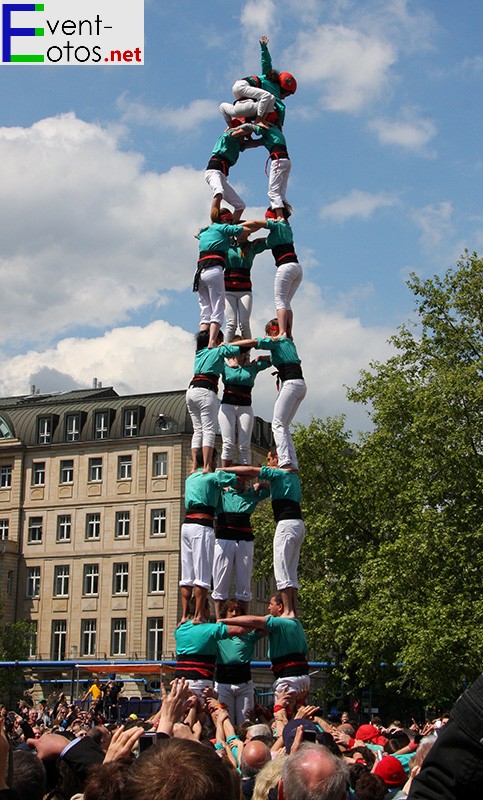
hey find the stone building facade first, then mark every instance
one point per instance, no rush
(91, 504)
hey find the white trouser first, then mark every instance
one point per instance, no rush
(198, 686)
(197, 547)
(228, 555)
(288, 278)
(278, 181)
(294, 683)
(238, 308)
(219, 185)
(232, 419)
(211, 295)
(239, 699)
(291, 394)
(258, 102)
(289, 535)
(203, 410)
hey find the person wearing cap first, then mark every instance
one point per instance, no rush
(214, 242)
(287, 645)
(392, 773)
(260, 96)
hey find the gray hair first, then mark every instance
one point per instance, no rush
(332, 787)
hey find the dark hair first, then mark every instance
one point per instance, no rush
(29, 776)
(370, 787)
(199, 456)
(231, 605)
(202, 338)
(106, 781)
(178, 769)
(273, 323)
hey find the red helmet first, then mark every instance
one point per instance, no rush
(287, 82)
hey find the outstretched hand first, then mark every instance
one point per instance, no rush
(122, 743)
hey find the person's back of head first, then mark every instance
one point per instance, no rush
(314, 773)
(29, 777)
(255, 755)
(178, 769)
(260, 733)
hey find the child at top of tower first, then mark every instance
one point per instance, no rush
(261, 96)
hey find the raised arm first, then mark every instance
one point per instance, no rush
(265, 57)
(244, 471)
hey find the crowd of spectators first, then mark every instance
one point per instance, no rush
(190, 750)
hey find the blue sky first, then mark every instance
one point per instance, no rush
(103, 187)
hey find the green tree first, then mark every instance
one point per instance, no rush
(392, 564)
(15, 638)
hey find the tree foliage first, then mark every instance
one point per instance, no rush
(391, 568)
(15, 638)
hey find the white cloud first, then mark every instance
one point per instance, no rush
(159, 357)
(178, 119)
(87, 234)
(408, 132)
(356, 204)
(435, 223)
(258, 17)
(347, 67)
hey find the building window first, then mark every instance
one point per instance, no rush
(90, 584)
(158, 522)
(156, 577)
(118, 637)
(124, 468)
(66, 471)
(120, 578)
(4, 526)
(130, 422)
(93, 526)
(154, 638)
(44, 435)
(123, 521)
(160, 465)
(33, 582)
(102, 425)
(72, 428)
(34, 535)
(61, 580)
(95, 469)
(10, 581)
(33, 639)
(59, 639)
(38, 473)
(5, 476)
(64, 526)
(88, 637)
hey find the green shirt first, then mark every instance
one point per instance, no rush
(199, 639)
(204, 488)
(212, 359)
(285, 636)
(229, 147)
(282, 351)
(238, 649)
(284, 484)
(217, 236)
(243, 375)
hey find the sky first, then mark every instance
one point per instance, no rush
(102, 189)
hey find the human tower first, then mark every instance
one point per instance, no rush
(223, 283)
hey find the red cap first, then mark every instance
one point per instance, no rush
(391, 771)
